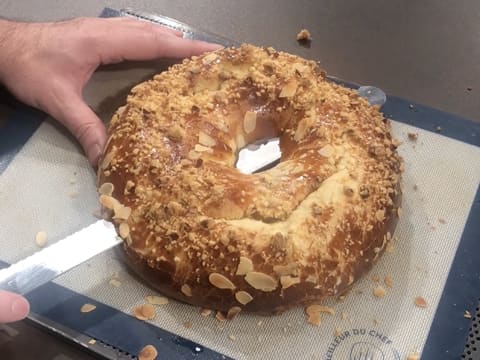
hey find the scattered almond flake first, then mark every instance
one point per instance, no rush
(245, 265)
(379, 291)
(148, 311)
(467, 314)
(412, 136)
(304, 36)
(107, 159)
(137, 312)
(389, 248)
(122, 212)
(41, 238)
(413, 356)
(441, 220)
(399, 212)
(108, 202)
(286, 281)
(376, 279)
(86, 308)
(249, 121)
(388, 281)
(220, 316)
(156, 300)
(232, 337)
(148, 353)
(115, 282)
(314, 319)
(259, 322)
(315, 311)
(144, 312)
(220, 281)
(420, 302)
(186, 290)
(72, 181)
(380, 215)
(338, 331)
(205, 312)
(233, 311)
(289, 89)
(376, 322)
(124, 230)
(261, 281)
(206, 140)
(240, 141)
(207, 59)
(92, 341)
(344, 316)
(106, 189)
(200, 148)
(188, 324)
(243, 297)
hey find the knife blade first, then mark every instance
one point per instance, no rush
(188, 31)
(54, 260)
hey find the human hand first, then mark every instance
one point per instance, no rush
(13, 307)
(46, 65)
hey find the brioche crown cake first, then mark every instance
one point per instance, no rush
(198, 230)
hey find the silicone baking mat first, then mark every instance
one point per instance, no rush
(49, 186)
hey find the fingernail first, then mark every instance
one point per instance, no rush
(94, 154)
(20, 308)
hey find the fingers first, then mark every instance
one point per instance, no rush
(13, 307)
(146, 42)
(82, 122)
(130, 22)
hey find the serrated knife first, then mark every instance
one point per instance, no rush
(54, 260)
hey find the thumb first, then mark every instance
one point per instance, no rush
(83, 123)
(13, 307)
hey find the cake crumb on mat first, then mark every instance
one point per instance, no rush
(420, 302)
(304, 36)
(41, 238)
(86, 308)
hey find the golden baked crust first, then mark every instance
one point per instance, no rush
(200, 231)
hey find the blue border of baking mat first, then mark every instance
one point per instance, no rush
(449, 330)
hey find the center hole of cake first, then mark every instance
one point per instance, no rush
(259, 156)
